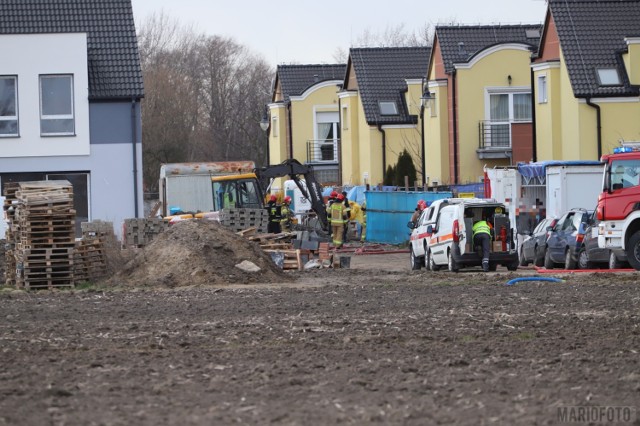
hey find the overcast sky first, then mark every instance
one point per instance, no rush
(305, 32)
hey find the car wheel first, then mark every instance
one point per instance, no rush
(453, 267)
(614, 263)
(548, 263)
(523, 261)
(569, 261)
(633, 251)
(539, 261)
(494, 267)
(583, 260)
(513, 266)
(432, 263)
(416, 262)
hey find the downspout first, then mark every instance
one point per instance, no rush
(134, 136)
(384, 150)
(422, 150)
(534, 145)
(340, 141)
(598, 126)
(455, 127)
(290, 130)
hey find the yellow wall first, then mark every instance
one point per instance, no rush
(547, 115)
(349, 137)
(277, 136)
(566, 127)
(489, 71)
(632, 61)
(303, 112)
(437, 137)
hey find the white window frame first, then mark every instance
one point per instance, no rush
(542, 89)
(45, 117)
(510, 91)
(274, 126)
(393, 108)
(12, 117)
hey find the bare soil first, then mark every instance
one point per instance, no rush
(373, 344)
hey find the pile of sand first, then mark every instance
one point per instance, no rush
(198, 252)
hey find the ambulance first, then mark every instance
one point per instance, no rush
(447, 237)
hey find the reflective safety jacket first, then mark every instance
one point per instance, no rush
(481, 227)
(337, 213)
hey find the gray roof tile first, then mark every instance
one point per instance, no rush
(460, 43)
(114, 65)
(591, 35)
(295, 79)
(382, 73)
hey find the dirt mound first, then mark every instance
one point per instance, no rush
(198, 252)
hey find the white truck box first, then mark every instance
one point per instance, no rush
(572, 186)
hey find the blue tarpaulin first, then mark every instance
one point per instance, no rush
(389, 212)
(539, 169)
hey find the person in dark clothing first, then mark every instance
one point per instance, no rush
(275, 216)
(482, 238)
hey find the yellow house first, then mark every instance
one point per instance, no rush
(586, 78)
(477, 98)
(380, 112)
(304, 117)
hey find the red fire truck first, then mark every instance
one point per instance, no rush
(618, 208)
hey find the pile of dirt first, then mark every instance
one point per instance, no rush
(198, 252)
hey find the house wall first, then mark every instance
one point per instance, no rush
(619, 118)
(109, 163)
(548, 114)
(632, 59)
(488, 72)
(322, 97)
(47, 54)
(437, 135)
(350, 137)
(278, 150)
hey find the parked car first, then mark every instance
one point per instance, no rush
(533, 247)
(565, 239)
(591, 256)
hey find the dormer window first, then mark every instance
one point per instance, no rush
(388, 108)
(608, 77)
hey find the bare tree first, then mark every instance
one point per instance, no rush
(204, 97)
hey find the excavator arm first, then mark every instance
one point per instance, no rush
(294, 169)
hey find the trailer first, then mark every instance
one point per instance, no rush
(187, 187)
(572, 186)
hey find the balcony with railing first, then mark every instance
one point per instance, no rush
(322, 151)
(494, 139)
(322, 154)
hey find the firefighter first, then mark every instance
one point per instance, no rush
(285, 213)
(418, 211)
(482, 238)
(274, 210)
(361, 218)
(338, 219)
(347, 211)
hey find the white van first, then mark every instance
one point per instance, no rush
(450, 239)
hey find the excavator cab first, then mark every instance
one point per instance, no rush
(237, 192)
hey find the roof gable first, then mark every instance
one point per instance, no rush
(381, 75)
(294, 80)
(592, 35)
(460, 43)
(114, 63)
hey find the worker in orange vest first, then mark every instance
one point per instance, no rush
(338, 220)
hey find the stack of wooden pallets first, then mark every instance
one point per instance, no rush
(10, 201)
(43, 229)
(89, 260)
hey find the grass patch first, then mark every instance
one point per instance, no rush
(525, 335)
